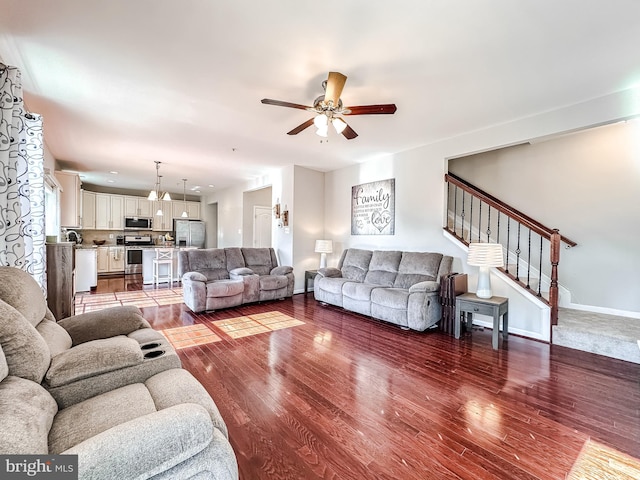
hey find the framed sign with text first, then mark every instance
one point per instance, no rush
(373, 208)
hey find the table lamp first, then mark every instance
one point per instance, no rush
(485, 255)
(323, 247)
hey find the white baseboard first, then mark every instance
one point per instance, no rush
(604, 310)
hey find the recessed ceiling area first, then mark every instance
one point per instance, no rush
(122, 84)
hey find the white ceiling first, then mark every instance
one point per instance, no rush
(122, 83)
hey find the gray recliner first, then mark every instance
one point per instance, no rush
(81, 356)
(166, 427)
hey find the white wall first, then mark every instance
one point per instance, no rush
(587, 184)
(419, 176)
(307, 221)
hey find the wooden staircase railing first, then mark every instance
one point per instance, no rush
(473, 215)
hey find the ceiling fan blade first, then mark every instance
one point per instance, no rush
(301, 127)
(386, 108)
(280, 103)
(335, 84)
(349, 133)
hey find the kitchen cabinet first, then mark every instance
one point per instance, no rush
(192, 209)
(164, 222)
(69, 199)
(116, 259)
(88, 218)
(103, 259)
(109, 212)
(137, 207)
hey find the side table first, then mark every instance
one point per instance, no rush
(309, 275)
(496, 307)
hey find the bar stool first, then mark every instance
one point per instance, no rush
(164, 256)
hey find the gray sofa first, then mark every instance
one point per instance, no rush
(88, 386)
(216, 278)
(398, 287)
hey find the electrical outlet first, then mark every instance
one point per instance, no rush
(111, 236)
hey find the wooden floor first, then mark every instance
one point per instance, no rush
(347, 397)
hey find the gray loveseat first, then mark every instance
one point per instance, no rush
(216, 278)
(398, 287)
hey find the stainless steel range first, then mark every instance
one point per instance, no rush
(133, 246)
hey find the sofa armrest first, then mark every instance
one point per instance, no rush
(281, 270)
(154, 443)
(427, 286)
(330, 272)
(93, 358)
(194, 276)
(106, 323)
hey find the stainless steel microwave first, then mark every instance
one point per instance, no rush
(138, 223)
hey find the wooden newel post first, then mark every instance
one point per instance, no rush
(555, 259)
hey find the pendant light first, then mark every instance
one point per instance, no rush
(155, 194)
(184, 198)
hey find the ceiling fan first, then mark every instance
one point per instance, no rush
(328, 109)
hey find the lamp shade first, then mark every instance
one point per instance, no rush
(485, 255)
(324, 246)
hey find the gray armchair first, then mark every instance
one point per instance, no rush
(167, 427)
(80, 356)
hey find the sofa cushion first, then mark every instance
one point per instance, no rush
(259, 260)
(224, 288)
(26, 415)
(383, 268)
(56, 337)
(396, 298)
(93, 358)
(355, 264)
(86, 419)
(211, 262)
(22, 292)
(273, 282)
(331, 284)
(26, 352)
(235, 259)
(185, 389)
(417, 267)
(358, 291)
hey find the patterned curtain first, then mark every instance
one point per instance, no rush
(22, 226)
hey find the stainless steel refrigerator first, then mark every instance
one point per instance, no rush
(189, 233)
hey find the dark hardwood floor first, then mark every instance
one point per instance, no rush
(347, 397)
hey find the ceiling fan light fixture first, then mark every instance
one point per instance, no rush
(339, 124)
(322, 132)
(321, 121)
